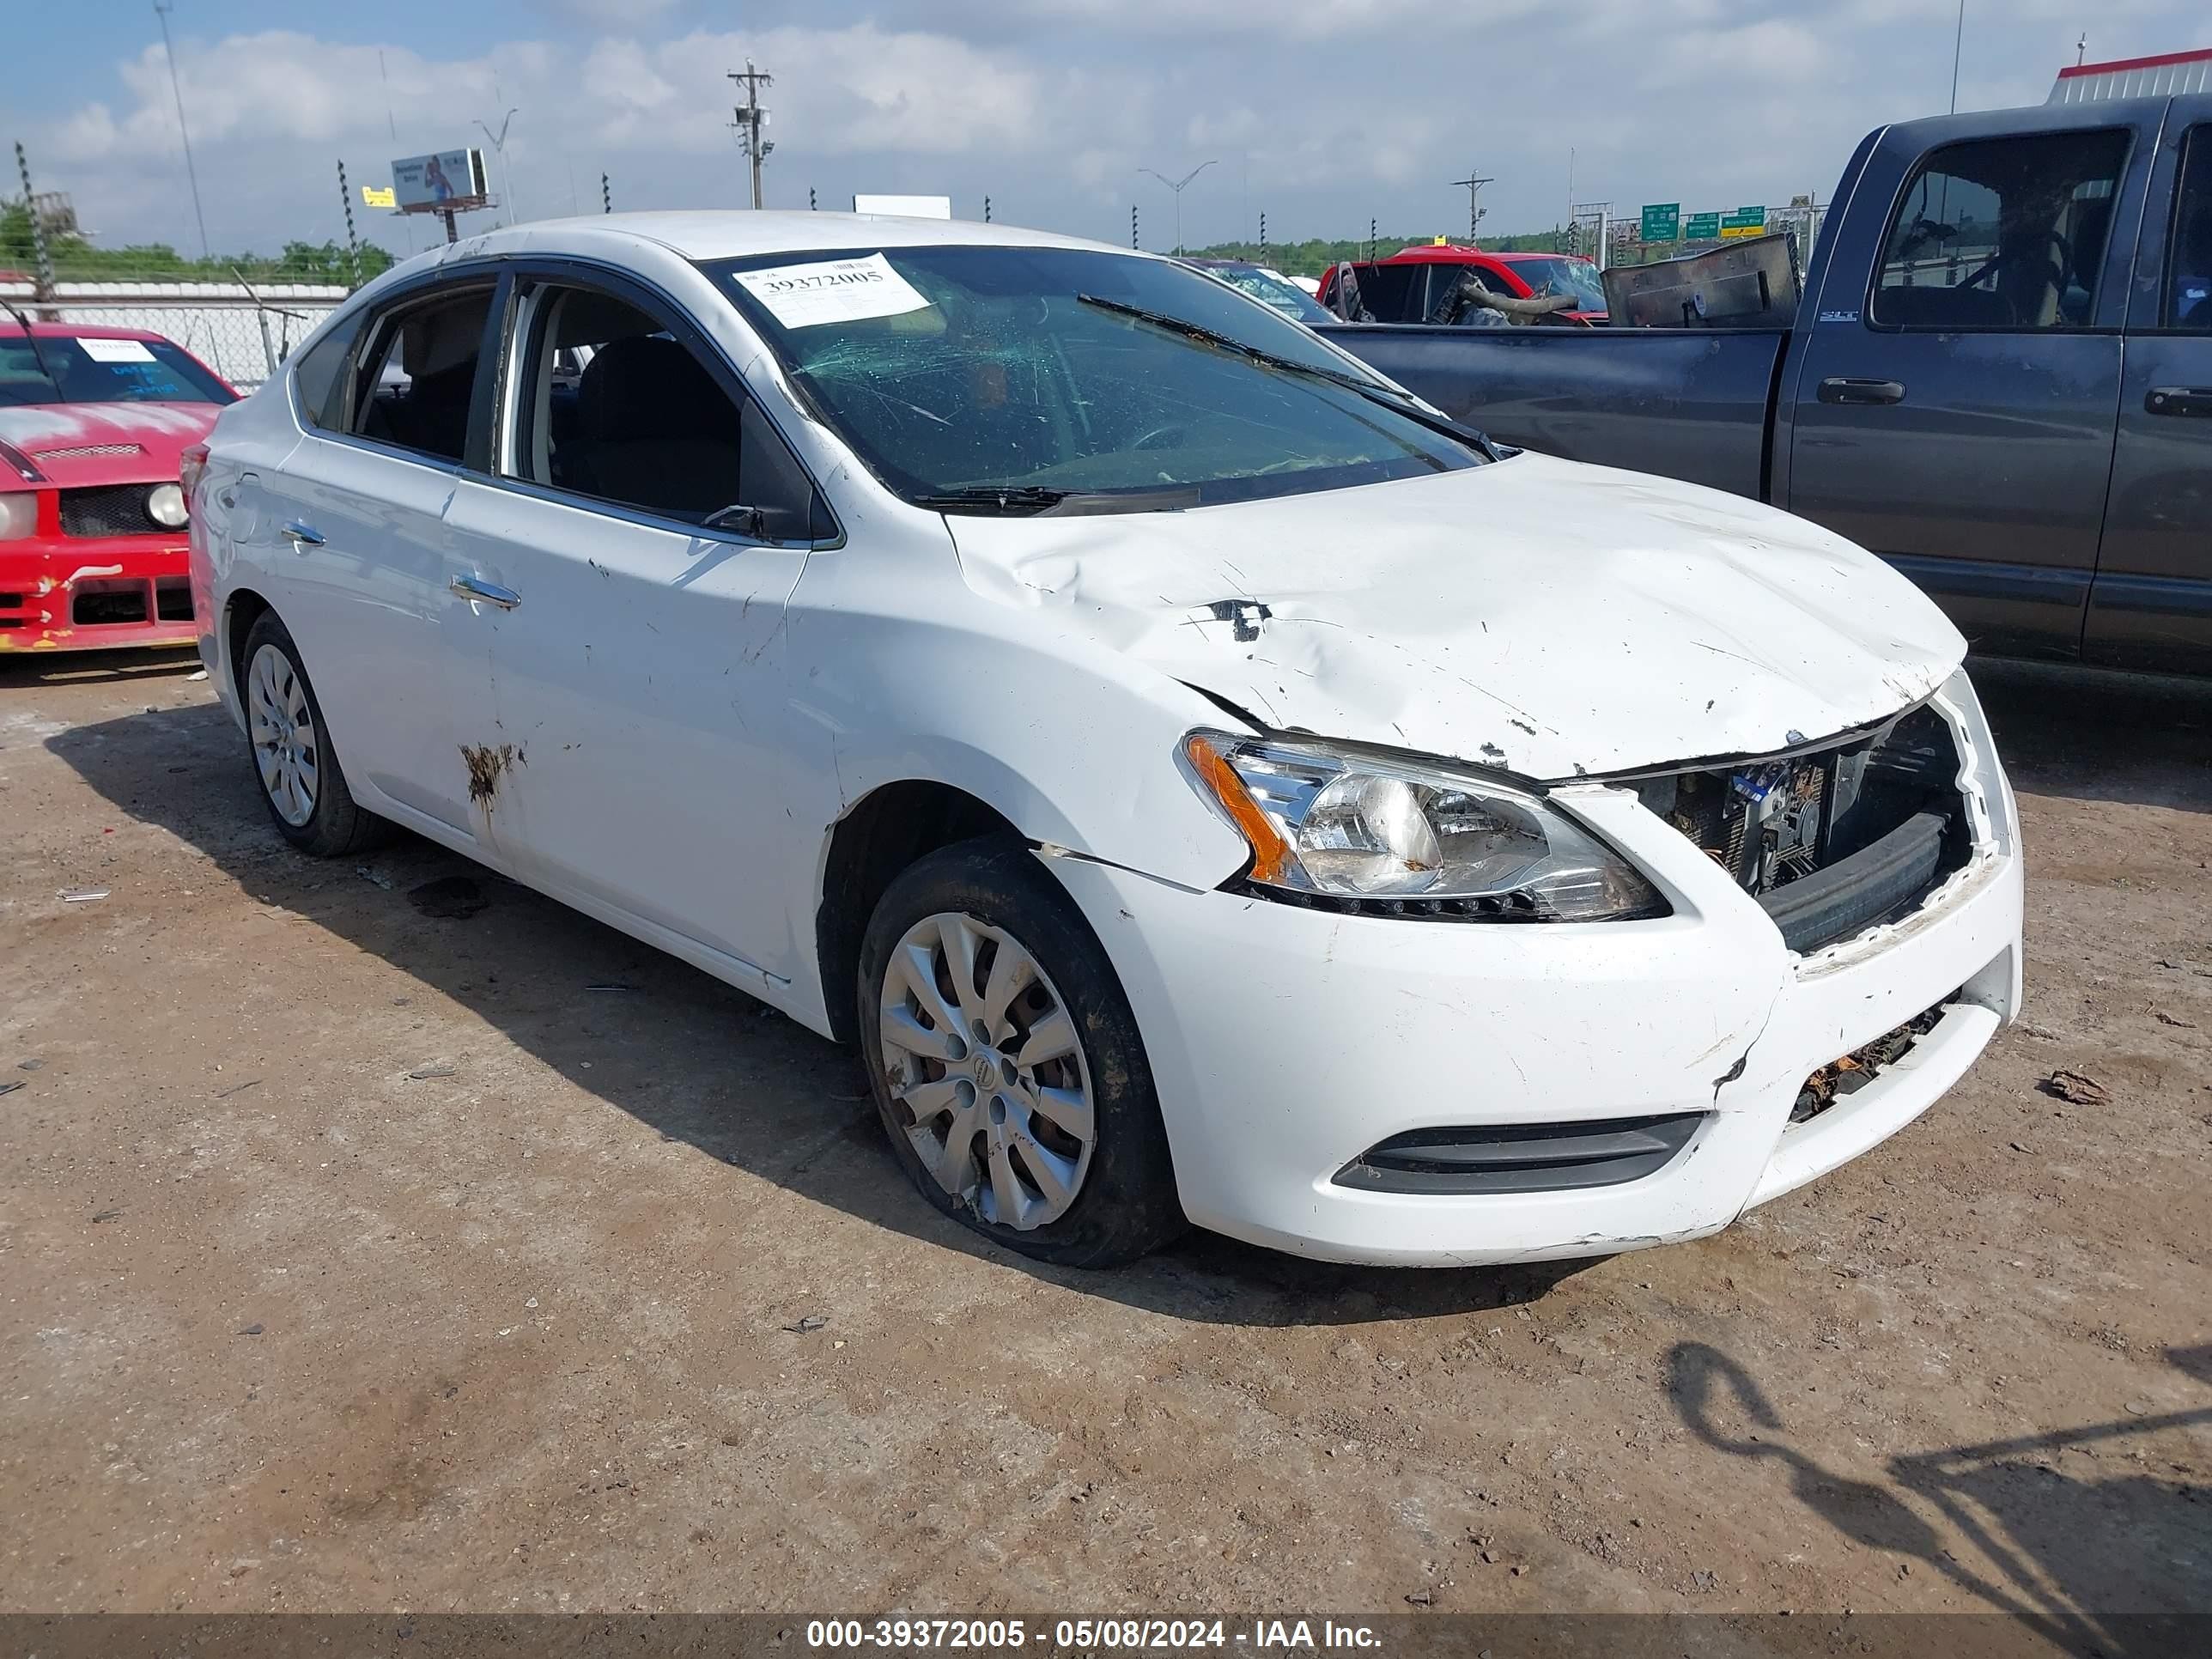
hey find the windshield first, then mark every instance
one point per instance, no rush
(71, 368)
(1272, 288)
(1576, 278)
(1032, 372)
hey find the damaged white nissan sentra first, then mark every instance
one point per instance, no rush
(1204, 782)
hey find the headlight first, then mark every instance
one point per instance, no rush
(165, 505)
(1410, 838)
(19, 515)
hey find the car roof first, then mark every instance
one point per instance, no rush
(739, 234)
(1432, 251)
(10, 326)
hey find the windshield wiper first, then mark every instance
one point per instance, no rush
(1373, 391)
(1044, 502)
(37, 353)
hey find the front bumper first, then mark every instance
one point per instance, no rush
(1286, 1042)
(94, 592)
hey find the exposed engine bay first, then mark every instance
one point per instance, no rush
(1863, 830)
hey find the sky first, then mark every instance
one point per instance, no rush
(1321, 113)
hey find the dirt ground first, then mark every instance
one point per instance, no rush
(355, 1257)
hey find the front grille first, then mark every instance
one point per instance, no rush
(110, 510)
(1833, 840)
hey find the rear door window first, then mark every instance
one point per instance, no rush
(418, 374)
(2189, 263)
(2001, 233)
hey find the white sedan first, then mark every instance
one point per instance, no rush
(1206, 784)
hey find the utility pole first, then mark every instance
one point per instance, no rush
(987, 209)
(751, 118)
(606, 195)
(1133, 225)
(1474, 213)
(1263, 236)
(161, 10)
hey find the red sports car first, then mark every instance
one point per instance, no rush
(93, 422)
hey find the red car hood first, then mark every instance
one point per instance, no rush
(76, 444)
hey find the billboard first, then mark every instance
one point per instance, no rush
(906, 207)
(451, 179)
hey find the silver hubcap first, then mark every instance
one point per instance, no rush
(283, 733)
(983, 1059)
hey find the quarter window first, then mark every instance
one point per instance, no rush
(616, 407)
(419, 374)
(2188, 264)
(320, 375)
(2005, 234)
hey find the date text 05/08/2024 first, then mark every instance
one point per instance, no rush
(1126, 1635)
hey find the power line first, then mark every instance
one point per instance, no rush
(161, 10)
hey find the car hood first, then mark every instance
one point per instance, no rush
(1538, 616)
(76, 444)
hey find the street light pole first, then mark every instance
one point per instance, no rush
(1177, 186)
(499, 149)
(1958, 39)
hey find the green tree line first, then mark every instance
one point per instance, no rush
(76, 259)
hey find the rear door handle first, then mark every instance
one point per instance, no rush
(1844, 389)
(478, 592)
(300, 535)
(2179, 400)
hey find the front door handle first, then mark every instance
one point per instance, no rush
(478, 592)
(2179, 400)
(302, 535)
(1844, 389)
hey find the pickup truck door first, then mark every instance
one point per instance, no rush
(1956, 384)
(2151, 607)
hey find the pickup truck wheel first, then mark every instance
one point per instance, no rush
(1006, 1063)
(301, 781)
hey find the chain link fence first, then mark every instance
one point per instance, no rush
(240, 330)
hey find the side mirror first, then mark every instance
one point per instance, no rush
(744, 520)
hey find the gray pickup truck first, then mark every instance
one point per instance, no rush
(2000, 379)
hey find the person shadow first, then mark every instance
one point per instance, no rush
(2090, 1563)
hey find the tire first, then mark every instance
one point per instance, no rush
(1020, 1100)
(282, 717)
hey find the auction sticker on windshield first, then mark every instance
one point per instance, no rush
(116, 351)
(832, 291)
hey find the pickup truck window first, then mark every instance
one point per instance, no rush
(2005, 234)
(2189, 265)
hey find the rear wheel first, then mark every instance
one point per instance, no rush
(1007, 1065)
(301, 781)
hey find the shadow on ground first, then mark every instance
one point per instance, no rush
(2093, 736)
(703, 1064)
(2077, 1533)
(685, 1054)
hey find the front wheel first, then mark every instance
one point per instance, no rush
(1005, 1062)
